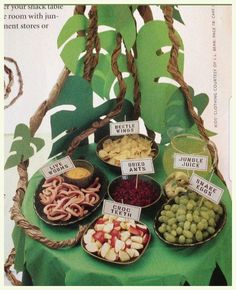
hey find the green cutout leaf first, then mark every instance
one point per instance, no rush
(74, 24)
(77, 92)
(155, 34)
(177, 115)
(103, 76)
(120, 18)
(71, 52)
(21, 147)
(108, 40)
(200, 101)
(134, 7)
(154, 104)
(176, 15)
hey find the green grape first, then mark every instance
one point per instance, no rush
(199, 236)
(163, 225)
(189, 205)
(177, 199)
(212, 222)
(189, 241)
(211, 213)
(193, 202)
(174, 207)
(167, 207)
(181, 224)
(170, 214)
(208, 204)
(187, 234)
(220, 209)
(193, 228)
(187, 225)
(170, 238)
(192, 195)
(205, 235)
(173, 233)
(171, 221)
(181, 211)
(182, 239)
(163, 212)
(183, 200)
(196, 218)
(181, 218)
(203, 208)
(179, 230)
(168, 228)
(189, 217)
(205, 223)
(196, 212)
(174, 226)
(163, 219)
(200, 226)
(211, 230)
(204, 214)
(161, 230)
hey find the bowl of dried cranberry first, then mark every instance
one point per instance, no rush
(123, 189)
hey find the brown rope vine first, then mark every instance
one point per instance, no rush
(10, 83)
(120, 100)
(7, 88)
(91, 60)
(173, 69)
(16, 214)
(146, 13)
(7, 268)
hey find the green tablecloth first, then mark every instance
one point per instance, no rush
(160, 265)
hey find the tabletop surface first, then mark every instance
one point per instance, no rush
(160, 265)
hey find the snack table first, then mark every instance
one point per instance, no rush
(160, 265)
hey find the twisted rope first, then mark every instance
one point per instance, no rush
(91, 60)
(120, 100)
(173, 69)
(9, 262)
(7, 88)
(20, 81)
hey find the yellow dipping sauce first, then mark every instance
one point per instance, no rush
(78, 173)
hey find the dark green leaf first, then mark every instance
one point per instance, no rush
(176, 15)
(74, 24)
(77, 92)
(21, 147)
(200, 101)
(71, 52)
(120, 18)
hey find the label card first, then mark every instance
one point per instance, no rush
(57, 167)
(206, 188)
(121, 210)
(137, 166)
(124, 128)
(191, 162)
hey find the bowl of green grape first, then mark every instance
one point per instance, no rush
(188, 220)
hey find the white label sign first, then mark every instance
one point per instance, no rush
(192, 162)
(58, 167)
(137, 166)
(121, 210)
(124, 128)
(206, 188)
